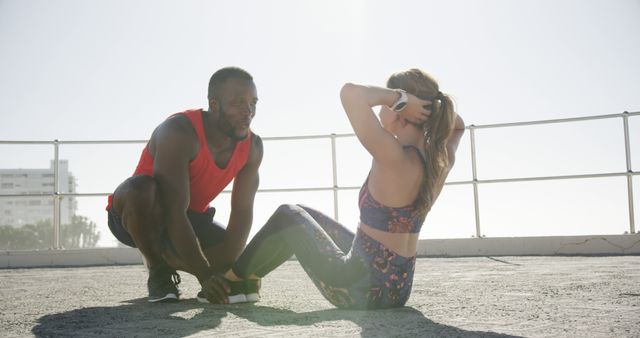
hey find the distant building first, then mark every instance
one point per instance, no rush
(18, 211)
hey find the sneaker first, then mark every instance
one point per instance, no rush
(236, 294)
(163, 285)
(252, 290)
(233, 299)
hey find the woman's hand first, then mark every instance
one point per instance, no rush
(417, 110)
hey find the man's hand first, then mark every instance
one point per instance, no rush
(215, 288)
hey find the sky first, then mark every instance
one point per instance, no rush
(113, 70)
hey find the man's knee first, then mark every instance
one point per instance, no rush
(138, 194)
(137, 202)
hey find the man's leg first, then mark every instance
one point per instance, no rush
(210, 235)
(137, 203)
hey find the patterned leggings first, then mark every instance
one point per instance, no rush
(321, 245)
(351, 271)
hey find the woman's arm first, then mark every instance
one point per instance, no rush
(358, 101)
(454, 140)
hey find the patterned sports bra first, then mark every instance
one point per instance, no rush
(389, 219)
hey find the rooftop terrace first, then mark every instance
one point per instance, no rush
(543, 296)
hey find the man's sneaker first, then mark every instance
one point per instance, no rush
(236, 294)
(252, 290)
(163, 285)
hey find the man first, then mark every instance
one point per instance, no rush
(163, 209)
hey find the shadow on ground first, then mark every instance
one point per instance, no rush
(139, 318)
(135, 317)
(405, 321)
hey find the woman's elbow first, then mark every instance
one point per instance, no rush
(347, 90)
(452, 161)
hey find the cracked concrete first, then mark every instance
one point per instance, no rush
(452, 297)
(623, 249)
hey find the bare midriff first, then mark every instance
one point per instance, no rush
(404, 244)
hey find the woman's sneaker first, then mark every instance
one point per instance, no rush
(162, 285)
(236, 293)
(252, 290)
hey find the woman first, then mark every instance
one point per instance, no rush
(413, 146)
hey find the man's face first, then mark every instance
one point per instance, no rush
(237, 107)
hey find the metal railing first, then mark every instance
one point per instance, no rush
(57, 195)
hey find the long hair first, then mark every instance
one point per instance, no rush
(437, 130)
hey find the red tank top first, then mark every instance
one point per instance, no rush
(206, 179)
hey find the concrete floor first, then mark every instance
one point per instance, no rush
(452, 297)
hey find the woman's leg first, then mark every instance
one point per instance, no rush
(340, 235)
(293, 230)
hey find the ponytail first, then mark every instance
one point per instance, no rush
(437, 130)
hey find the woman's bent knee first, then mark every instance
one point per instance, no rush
(287, 210)
(286, 216)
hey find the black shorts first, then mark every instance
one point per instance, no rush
(208, 231)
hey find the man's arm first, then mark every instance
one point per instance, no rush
(245, 186)
(173, 148)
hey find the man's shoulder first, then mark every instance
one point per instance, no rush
(256, 139)
(177, 124)
(256, 143)
(256, 149)
(176, 130)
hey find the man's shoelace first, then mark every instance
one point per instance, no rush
(175, 278)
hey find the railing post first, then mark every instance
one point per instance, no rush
(56, 196)
(335, 176)
(627, 149)
(474, 172)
